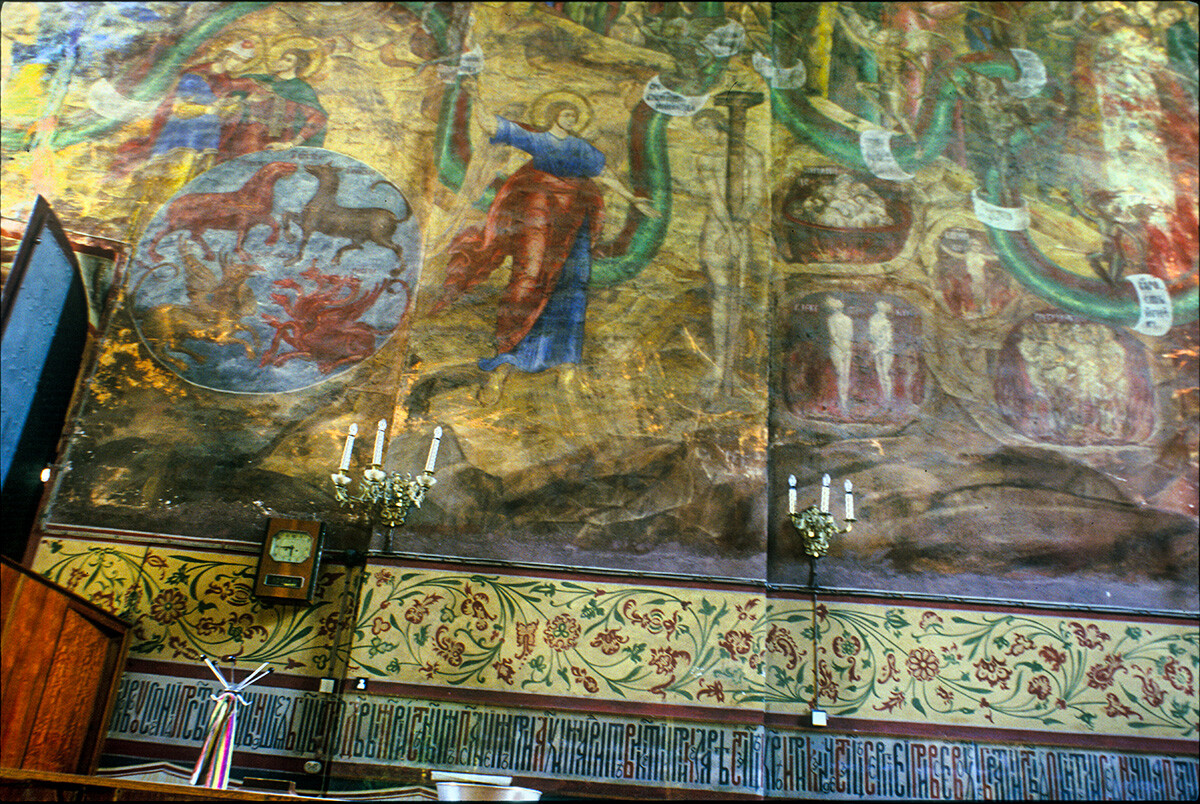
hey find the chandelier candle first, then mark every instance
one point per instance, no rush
(433, 450)
(349, 446)
(816, 525)
(377, 458)
(384, 498)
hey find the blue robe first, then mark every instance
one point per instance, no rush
(556, 336)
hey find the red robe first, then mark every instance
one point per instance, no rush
(534, 218)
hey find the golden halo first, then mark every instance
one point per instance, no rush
(311, 46)
(542, 103)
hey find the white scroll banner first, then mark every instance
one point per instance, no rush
(876, 151)
(1155, 303)
(1010, 219)
(104, 99)
(1033, 74)
(780, 77)
(727, 40)
(471, 62)
(668, 101)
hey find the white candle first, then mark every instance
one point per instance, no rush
(377, 458)
(433, 450)
(791, 494)
(849, 500)
(825, 494)
(349, 446)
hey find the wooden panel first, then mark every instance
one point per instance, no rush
(60, 657)
(108, 667)
(28, 648)
(73, 687)
(10, 584)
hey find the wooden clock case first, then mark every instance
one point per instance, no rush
(290, 560)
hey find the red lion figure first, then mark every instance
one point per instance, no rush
(237, 211)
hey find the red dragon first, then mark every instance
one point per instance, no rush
(323, 324)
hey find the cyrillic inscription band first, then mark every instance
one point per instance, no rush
(735, 758)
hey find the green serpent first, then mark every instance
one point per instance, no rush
(648, 140)
(163, 74)
(1016, 251)
(650, 232)
(836, 141)
(1049, 281)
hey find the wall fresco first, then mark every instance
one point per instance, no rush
(642, 262)
(992, 204)
(671, 387)
(613, 220)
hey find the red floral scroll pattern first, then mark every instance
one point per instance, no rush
(184, 605)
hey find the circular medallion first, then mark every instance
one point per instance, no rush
(1062, 379)
(275, 271)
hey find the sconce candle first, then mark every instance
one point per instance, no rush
(791, 494)
(849, 500)
(433, 450)
(825, 494)
(377, 458)
(349, 446)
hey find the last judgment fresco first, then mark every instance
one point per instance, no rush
(642, 262)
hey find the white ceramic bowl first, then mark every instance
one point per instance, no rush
(461, 791)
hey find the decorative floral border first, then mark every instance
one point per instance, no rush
(738, 650)
(559, 637)
(642, 644)
(185, 605)
(1011, 670)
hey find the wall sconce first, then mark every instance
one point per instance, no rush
(817, 525)
(384, 497)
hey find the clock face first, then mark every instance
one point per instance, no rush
(291, 546)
